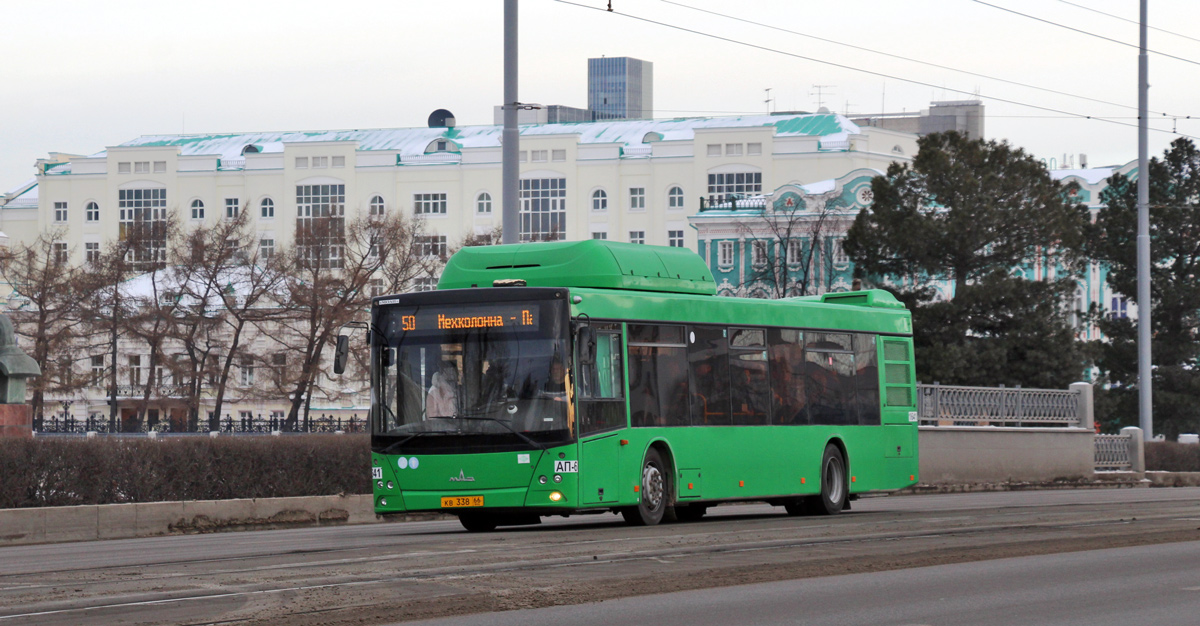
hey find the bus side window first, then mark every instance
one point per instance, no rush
(601, 402)
(866, 379)
(829, 378)
(708, 360)
(749, 384)
(658, 384)
(786, 346)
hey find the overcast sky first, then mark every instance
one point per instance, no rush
(82, 75)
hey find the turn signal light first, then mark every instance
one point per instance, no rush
(555, 496)
(624, 442)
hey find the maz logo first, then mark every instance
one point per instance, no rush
(462, 478)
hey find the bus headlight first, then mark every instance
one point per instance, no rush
(557, 478)
(390, 486)
(542, 479)
(383, 502)
(555, 496)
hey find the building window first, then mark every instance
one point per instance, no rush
(267, 208)
(839, 255)
(733, 149)
(135, 369)
(521, 156)
(735, 183)
(759, 253)
(97, 370)
(231, 208)
(1120, 308)
(430, 246)
(675, 238)
(442, 145)
(714, 149)
(600, 235)
(725, 253)
(376, 287)
(160, 167)
(141, 167)
(753, 149)
(558, 155)
(537, 156)
(637, 236)
(321, 223)
(92, 212)
(376, 207)
(247, 370)
(675, 198)
(339, 161)
(60, 212)
(60, 251)
(91, 252)
(301, 163)
(266, 247)
(795, 253)
(143, 218)
(197, 210)
(543, 209)
(123, 167)
(320, 163)
(599, 200)
(483, 203)
(429, 203)
(425, 283)
(637, 198)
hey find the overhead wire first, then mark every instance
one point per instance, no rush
(1125, 19)
(1083, 32)
(862, 70)
(904, 58)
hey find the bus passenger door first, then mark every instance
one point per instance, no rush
(598, 463)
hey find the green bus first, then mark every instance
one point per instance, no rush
(565, 378)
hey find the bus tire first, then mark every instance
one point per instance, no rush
(477, 522)
(835, 484)
(655, 490)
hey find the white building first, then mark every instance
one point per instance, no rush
(636, 180)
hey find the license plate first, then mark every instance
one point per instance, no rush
(460, 501)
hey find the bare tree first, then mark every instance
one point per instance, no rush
(45, 311)
(789, 240)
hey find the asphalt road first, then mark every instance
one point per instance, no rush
(382, 573)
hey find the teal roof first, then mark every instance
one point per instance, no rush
(413, 141)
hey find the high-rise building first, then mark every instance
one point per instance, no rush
(620, 88)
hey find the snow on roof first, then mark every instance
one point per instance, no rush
(1091, 176)
(413, 141)
(23, 196)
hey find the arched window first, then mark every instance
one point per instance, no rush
(197, 209)
(483, 203)
(377, 206)
(675, 198)
(599, 200)
(268, 208)
(92, 212)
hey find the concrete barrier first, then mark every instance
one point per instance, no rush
(124, 521)
(969, 454)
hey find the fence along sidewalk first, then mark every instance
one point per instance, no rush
(946, 405)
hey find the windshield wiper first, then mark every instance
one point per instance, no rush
(506, 425)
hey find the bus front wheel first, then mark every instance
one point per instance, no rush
(655, 490)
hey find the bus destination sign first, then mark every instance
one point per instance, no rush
(471, 317)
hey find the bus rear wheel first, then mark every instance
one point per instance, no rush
(655, 490)
(835, 486)
(477, 522)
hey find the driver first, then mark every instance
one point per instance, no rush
(442, 400)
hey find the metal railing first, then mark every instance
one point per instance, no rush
(99, 423)
(156, 391)
(435, 157)
(1112, 453)
(945, 405)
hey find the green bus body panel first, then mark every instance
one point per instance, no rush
(612, 281)
(591, 263)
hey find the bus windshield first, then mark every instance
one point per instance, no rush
(471, 377)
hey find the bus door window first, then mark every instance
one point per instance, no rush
(786, 347)
(601, 388)
(658, 381)
(750, 388)
(708, 365)
(866, 379)
(829, 378)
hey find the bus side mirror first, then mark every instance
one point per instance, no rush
(340, 354)
(585, 339)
